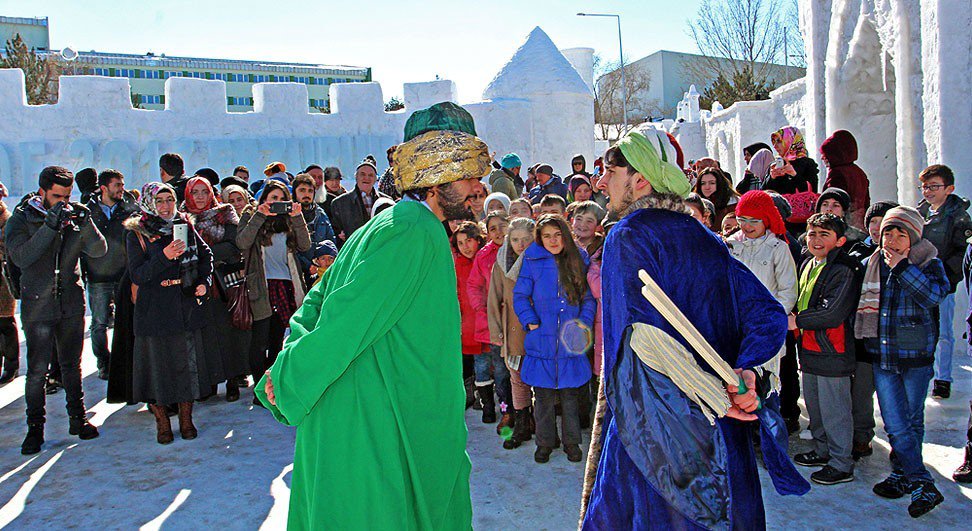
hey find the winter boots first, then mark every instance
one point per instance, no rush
(33, 440)
(522, 431)
(82, 428)
(186, 429)
(162, 425)
(964, 473)
(486, 400)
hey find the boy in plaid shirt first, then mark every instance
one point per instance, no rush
(897, 317)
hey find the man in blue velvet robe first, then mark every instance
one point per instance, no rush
(663, 464)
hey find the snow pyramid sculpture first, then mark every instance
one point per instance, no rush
(536, 68)
(536, 85)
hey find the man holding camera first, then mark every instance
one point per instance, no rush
(110, 207)
(45, 237)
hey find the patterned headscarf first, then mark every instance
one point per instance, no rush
(789, 143)
(151, 221)
(190, 203)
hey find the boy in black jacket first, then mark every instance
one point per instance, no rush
(830, 285)
(947, 226)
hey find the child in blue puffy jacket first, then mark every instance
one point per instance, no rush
(554, 303)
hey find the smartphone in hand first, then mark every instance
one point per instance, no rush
(180, 231)
(281, 207)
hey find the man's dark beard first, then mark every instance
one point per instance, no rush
(453, 204)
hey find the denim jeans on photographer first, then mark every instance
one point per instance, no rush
(901, 397)
(100, 297)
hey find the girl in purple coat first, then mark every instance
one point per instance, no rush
(554, 303)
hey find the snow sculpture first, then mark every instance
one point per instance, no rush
(94, 124)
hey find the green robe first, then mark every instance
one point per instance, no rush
(371, 376)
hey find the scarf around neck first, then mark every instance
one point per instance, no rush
(866, 324)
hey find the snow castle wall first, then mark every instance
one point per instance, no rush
(93, 124)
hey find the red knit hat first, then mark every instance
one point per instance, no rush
(758, 204)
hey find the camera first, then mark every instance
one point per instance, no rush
(70, 216)
(281, 207)
(778, 163)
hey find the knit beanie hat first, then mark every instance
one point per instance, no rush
(368, 161)
(578, 180)
(511, 160)
(841, 196)
(758, 204)
(878, 210)
(905, 218)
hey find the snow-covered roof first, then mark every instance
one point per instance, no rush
(537, 67)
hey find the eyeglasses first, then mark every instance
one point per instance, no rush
(749, 221)
(477, 196)
(931, 187)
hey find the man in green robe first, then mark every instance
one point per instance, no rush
(371, 374)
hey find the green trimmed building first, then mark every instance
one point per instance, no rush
(147, 73)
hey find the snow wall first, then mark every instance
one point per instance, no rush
(93, 123)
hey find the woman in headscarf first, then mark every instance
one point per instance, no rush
(172, 277)
(270, 243)
(798, 172)
(216, 224)
(752, 149)
(237, 196)
(757, 171)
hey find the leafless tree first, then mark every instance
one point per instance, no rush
(752, 34)
(610, 97)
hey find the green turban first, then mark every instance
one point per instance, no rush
(651, 161)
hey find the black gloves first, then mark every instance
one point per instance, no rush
(61, 215)
(56, 216)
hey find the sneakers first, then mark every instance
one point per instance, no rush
(895, 486)
(573, 451)
(924, 498)
(829, 475)
(942, 390)
(810, 459)
(861, 450)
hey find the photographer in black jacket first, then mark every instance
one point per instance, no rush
(110, 207)
(45, 237)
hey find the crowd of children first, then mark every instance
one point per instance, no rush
(869, 289)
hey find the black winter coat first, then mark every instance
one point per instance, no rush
(827, 325)
(38, 250)
(111, 266)
(165, 310)
(348, 213)
(948, 229)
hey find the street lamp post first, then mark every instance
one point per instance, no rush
(624, 86)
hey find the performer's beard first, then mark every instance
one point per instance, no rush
(453, 205)
(620, 204)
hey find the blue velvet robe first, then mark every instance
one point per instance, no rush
(663, 465)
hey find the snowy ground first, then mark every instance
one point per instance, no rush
(235, 475)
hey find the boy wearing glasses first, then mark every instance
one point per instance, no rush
(947, 226)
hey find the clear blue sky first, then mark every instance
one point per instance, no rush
(465, 41)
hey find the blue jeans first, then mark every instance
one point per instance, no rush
(100, 298)
(946, 339)
(491, 368)
(902, 400)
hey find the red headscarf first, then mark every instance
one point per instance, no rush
(191, 205)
